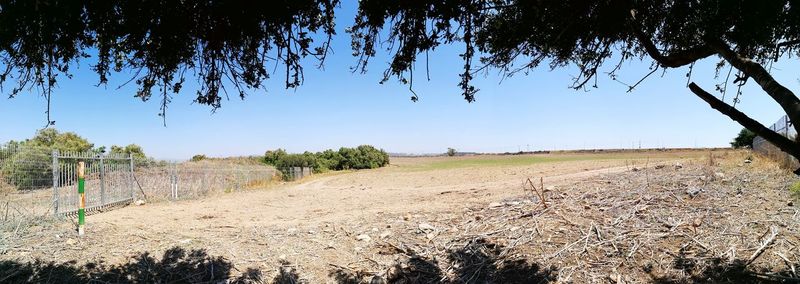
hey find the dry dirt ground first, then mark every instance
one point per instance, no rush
(691, 216)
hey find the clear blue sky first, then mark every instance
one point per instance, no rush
(335, 108)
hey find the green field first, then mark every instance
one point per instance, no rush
(442, 163)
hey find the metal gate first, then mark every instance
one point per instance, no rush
(108, 181)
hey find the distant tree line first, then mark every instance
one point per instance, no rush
(361, 157)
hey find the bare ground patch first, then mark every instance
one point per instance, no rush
(630, 224)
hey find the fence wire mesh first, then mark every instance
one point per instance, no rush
(40, 182)
(784, 127)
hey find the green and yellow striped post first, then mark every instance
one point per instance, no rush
(82, 196)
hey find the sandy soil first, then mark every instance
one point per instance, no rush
(316, 224)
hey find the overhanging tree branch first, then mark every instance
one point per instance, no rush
(676, 59)
(782, 95)
(780, 141)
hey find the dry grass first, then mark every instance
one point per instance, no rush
(641, 225)
(635, 227)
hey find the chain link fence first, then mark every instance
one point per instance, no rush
(784, 127)
(30, 187)
(177, 181)
(295, 173)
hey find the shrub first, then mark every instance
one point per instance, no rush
(361, 157)
(451, 152)
(794, 190)
(744, 139)
(28, 164)
(197, 158)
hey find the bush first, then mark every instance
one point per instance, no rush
(794, 190)
(361, 157)
(744, 139)
(451, 152)
(197, 158)
(28, 164)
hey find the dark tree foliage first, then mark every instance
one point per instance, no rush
(743, 139)
(162, 42)
(235, 43)
(517, 35)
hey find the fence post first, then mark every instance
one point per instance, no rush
(177, 181)
(130, 177)
(102, 182)
(82, 196)
(55, 183)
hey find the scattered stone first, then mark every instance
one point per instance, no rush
(678, 166)
(430, 236)
(635, 169)
(790, 203)
(426, 227)
(291, 231)
(549, 188)
(495, 204)
(693, 191)
(407, 217)
(377, 280)
(512, 229)
(139, 202)
(385, 234)
(185, 241)
(719, 175)
(71, 241)
(747, 161)
(363, 238)
(658, 167)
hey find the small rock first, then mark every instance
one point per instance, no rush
(512, 229)
(426, 227)
(385, 234)
(139, 202)
(330, 245)
(719, 175)
(311, 232)
(430, 236)
(790, 203)
(747, 161)
(186, 241)
(635, 169)
(693, 191)
(71, 242)
(658, 167)
(407, 217)
(549, 188)
(282, 257)
(363, 238)
(291, 231)
(495, 204)
(678, 166)
(374, 230)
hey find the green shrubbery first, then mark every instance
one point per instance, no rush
(28, 164)
(794, 190)
(744, 139)
(361, 157)
(198, 157)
